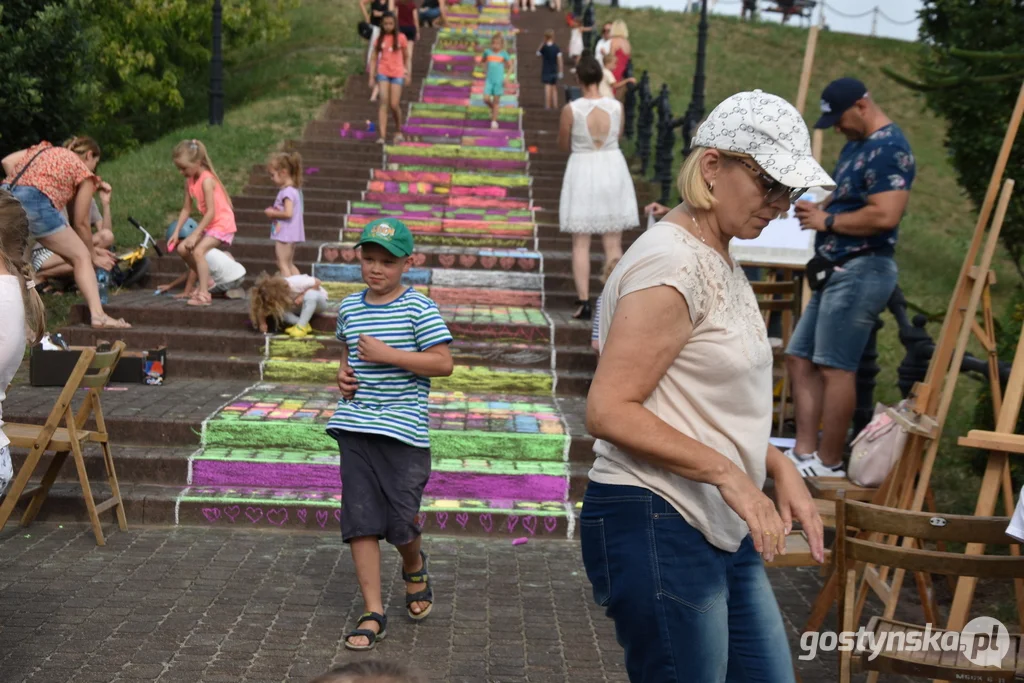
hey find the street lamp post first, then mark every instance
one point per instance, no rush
(217, 69)
(696, 110)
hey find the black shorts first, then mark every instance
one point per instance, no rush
(549, 80)
(382, 482)
(409, 31)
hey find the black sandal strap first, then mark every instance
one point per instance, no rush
(365, 632)
(425, 595)
(382, 620)
(421, 576)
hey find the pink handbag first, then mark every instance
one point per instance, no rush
(876, 449)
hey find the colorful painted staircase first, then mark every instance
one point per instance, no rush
(499, 442)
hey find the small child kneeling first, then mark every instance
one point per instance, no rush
(294, 299)
(381, 422)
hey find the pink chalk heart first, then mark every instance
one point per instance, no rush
(446, 260)
(302, 515)
(419, 259)
(421, 520)
(330, 254)
(232, 512)
(462, 518)
(211, 514)
(442, 519)
(511, 522)
(467, 260)
(486, 522)
(254, 514)
(550, 524)
(278, 516)
(488, 261)
(527, 263)
(530, 524)
(337, 515)
(348, 254)
(507, 262)
(321, 518)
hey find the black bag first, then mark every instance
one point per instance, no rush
(819, 269)
(365, 30)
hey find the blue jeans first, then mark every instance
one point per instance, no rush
(44, 219)
(837, 323)
(684, 610)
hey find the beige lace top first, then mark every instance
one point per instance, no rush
(717, 391)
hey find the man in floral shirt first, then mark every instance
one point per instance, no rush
(857, 227)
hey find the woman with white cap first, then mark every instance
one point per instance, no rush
(675, 527)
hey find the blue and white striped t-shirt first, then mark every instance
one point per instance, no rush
(389, 401)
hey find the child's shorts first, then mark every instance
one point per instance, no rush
(382, 482)
(494, 88)
(549, 79)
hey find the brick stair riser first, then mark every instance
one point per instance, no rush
(130, 467)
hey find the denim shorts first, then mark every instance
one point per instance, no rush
(381, 78)
(837, 323)
(685, 611)
(43, 217)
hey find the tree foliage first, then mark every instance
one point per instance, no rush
(125, 71)
(970, 73)
(38, 101)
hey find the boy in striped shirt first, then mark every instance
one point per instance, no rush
(395, 341)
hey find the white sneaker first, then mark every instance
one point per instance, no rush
(494, 125)
(812, 466)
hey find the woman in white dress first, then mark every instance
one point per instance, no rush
(597, 191)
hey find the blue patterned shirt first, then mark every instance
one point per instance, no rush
(882, 162)
(390, 401)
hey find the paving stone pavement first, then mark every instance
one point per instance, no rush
(214, 605)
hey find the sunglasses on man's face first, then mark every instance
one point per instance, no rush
(774, 190)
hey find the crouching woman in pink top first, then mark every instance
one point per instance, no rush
(675, 527)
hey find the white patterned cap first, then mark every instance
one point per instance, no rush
(769, 129)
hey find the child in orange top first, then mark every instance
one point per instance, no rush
(217, 227)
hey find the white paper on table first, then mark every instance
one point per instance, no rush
(781, 243)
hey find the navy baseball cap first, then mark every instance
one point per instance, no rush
(838, 96)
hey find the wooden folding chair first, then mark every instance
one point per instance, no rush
(92, 371)
(782, 296)
(871, 523)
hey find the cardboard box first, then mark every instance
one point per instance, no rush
(52, 368)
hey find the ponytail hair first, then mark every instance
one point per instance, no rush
(194, 152)
(290, 161)
(82, 145)
(13, 250)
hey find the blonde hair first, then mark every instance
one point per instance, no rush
(288, 161)
(693, 189)
(609, 58)
(271, 297)
(13, 248)
(194, 152)
(619, 29)
(82, 145)
(549, 34)
(499, 37)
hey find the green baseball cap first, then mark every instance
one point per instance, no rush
(389, 233)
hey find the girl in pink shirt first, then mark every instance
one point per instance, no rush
(389, 68)
(217, 227)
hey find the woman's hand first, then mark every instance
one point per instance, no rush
(756, 509)
(104, 190)
(103, 259)
(191, 241)
(796, 502)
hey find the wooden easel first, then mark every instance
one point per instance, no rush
(908, 485)
(999, 443)
(801, 103)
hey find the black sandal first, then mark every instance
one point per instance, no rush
(373, 637)
(425, 595)
(584, 312)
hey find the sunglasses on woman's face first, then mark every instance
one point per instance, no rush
(774, 190)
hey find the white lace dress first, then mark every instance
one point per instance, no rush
(597, 190)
